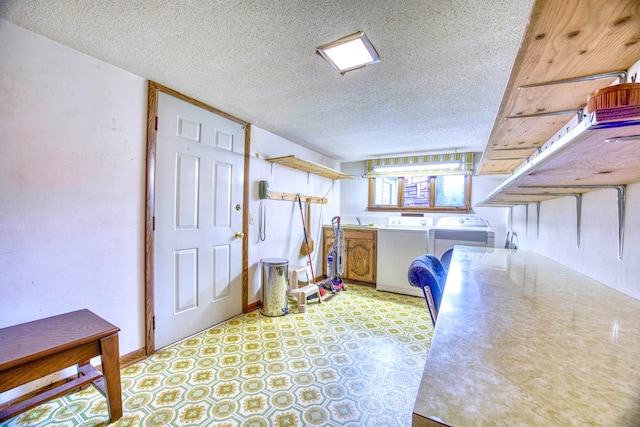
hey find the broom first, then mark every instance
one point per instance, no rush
(306, 241)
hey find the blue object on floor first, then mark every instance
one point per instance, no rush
(426, 272)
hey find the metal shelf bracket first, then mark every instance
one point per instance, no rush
(578, 113)
(578, 197)
(537, 220)
(622, 199)
(620, 75)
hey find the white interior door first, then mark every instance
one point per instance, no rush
(198, 211)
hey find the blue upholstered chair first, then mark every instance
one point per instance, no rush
(426, 272)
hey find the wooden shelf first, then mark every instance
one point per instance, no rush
(541, 136)
(588, 157)
(314, 168)
(564, 40)
(591, 156)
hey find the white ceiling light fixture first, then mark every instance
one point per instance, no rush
(428, 166)
(349, 53)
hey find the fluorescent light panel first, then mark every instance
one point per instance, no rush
(349, 53)
(396, 168)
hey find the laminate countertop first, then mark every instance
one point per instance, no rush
(522, 340)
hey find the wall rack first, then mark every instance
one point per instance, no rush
(593, 155)
(291, 197)
(309, 167)
(545, 99)
(581, 157)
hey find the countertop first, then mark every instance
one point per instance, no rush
(355, 226)
(521, 340)
(380, 227)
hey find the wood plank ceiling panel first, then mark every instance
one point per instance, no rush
(565, 39)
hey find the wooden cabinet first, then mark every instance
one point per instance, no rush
(359, 253)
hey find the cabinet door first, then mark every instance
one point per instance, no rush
(361, 260)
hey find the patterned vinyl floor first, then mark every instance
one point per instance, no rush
(354, 360)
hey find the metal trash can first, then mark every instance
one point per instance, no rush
(275, 273)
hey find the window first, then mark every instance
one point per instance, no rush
(450, 191)
(417, 191)
(386, 191)
(420, 193)
(440, 182)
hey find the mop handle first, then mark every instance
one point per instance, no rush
(306, 240)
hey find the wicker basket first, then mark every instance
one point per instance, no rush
(625, 94)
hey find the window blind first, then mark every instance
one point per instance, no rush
(465, 168)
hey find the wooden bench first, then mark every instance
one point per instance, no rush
(36, 349)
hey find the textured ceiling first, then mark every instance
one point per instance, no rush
(445, 63)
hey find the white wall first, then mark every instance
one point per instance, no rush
(355, 194)
(497, 216)
(284, 231)
(72, 188)
(597, 256)
(72, 165)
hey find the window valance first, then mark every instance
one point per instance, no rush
(439, 164)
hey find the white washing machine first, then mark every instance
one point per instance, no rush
(458, 230)
(400, 242)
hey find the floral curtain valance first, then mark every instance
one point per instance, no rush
(465, 168)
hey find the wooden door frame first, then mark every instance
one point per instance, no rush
(152, 108)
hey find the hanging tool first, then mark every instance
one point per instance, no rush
(262, 210)
(262, 221)
(304, 247)
(304, 228)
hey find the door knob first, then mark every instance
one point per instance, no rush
(239, 235)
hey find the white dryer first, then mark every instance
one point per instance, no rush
(458, 230)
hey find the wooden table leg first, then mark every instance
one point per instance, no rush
(111, 371)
